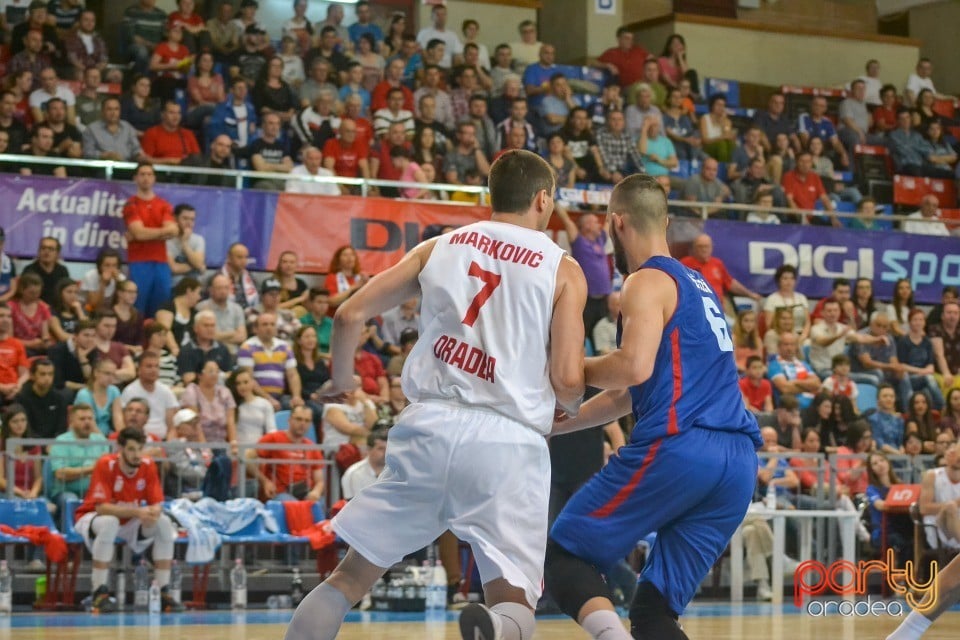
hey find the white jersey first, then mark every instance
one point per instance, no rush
(943, 491)
(488, 292)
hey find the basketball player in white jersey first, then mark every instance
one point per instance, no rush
(500, 348)
(940, 483)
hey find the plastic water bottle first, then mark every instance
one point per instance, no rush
(771, 500)
(175, 586)
(437, 588)
(238, 586)
(6, 589)
(141, 586)
(296, 587)
(121, 588)
(154, 598)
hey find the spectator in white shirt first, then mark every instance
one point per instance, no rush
(50, 87)
(873, 83)
(918, 81)
(312, 166)
(453, 50)
(364, 473)
(927, 220)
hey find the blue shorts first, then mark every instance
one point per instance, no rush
(692, 490)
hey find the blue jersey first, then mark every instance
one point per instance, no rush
(694, 381)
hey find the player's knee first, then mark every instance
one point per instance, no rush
(163, 535)
(106, 527)
(651, 616)
(571, 581)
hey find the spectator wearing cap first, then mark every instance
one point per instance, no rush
(187, 465)
(312, 166)
(8, 271)
(287, 323)
(248, 62)
(408, 338)
(142, 31)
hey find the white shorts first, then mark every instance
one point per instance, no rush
(484, 477)
(129, 532)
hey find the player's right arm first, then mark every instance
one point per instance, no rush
(567, 336)
(386, 291)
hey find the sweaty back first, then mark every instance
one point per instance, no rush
(694, 381)
(485, 319)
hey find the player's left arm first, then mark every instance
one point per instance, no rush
(648, 300)
(601, 409)
(387, 290)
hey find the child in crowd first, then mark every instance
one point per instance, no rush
(840, 384)
(757, 390)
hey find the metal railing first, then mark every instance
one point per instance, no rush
(365, 184)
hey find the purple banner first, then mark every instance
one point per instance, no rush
(752, 252)
(87, 216)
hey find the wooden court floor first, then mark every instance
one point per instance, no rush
(747, 627)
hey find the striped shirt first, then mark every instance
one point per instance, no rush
(269, 365)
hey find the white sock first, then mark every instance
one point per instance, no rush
(911, 628)
(319, 615)
(605, 625)
(162, 576)
(516, 621)
(98, 577)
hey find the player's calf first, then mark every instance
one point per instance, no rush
(572, 581)
(651, 618)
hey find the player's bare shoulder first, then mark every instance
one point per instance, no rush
(570, 278)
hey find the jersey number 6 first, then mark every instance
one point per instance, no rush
(718, 323)
(490, 281)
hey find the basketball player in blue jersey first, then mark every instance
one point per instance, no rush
(689, 469)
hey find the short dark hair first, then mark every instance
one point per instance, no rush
(752, 359)
(789, 402)
(840, 282)
(515, 180)
(887, 87)
(316, 292)
(39, 362)
(131, 434)
(839, 359)
(782, 269)
(377, 435)
(623, 30)
(434, 43)
(180, 208)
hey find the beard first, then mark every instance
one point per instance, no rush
(619, 253)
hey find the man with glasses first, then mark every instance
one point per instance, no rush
(527, 50)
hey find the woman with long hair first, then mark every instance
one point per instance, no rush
(343, 276)
(393, 40)
(819, 415)
(31, 315)
(922, 420)
(214, 403)
(787, 297)
(900, 305)
(716, 130)
(863, 301)
(923, 114)
(899, 530)
(255, 415)
(293, 289)
(782, 322)
(177, 314)
(410, 171)
(272, 94)
(673, 63)
(311, 366)
(746, 338)
(426, 148)
(100, 393)
(950, 420)
(20, 84)
(129, 321)
(139, 107)
(67, 310)
(205, 88)
(27, 474)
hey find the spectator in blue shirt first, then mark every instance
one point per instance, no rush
(816, 125)
(536, 77)
(907, 146)
(363, 25)
(881, 477)
(886, 424)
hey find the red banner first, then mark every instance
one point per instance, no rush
(381, 230)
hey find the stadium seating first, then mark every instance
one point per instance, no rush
(867, 397)
(18, 513)
(910, 190)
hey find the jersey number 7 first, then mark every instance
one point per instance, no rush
(490, 281)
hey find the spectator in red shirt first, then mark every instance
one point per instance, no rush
(381, 166)
(353, 109)
(14, 366)
(804, 189)
(393, 77)
(373, 377)
(345, 155)
(168, 142)
(714, 271)
(626, 59)
(169, 62)
(885, 114)
(286, 481)
(150, 223)
(841, 293)
(195, 34)
(757, 390)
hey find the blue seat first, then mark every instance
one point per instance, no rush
(867, 396)
(682, 169)
(729, 88)
(20, 513)
(282, 418)
(588, 349)
(256, 532)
